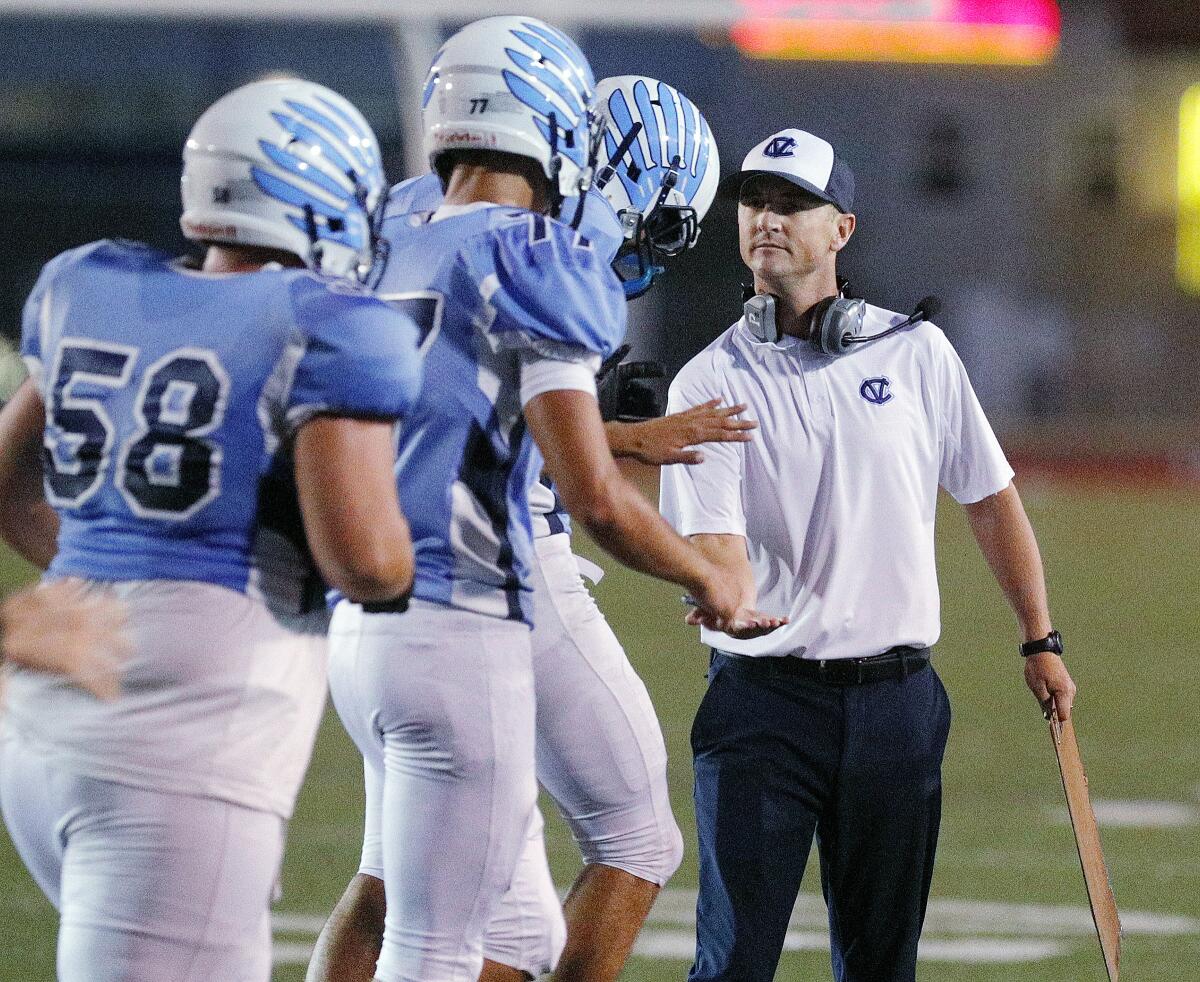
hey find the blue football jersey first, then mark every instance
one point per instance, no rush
(599, 223)
(422, 193)
(171, 396)
(485, 284)
(601, 227)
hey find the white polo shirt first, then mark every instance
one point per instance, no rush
(837, 492)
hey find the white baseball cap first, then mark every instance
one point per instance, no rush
(805, 160)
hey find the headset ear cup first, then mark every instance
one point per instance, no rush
(825, 332)
(849, 315)
(835, 321)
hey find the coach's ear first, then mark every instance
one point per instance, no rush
(845, 225)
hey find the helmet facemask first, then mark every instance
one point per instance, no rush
(658, 170)
(669, 230)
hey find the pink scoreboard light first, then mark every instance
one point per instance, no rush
(963, 32)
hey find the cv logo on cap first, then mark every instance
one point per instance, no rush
(876, 390)
(781, 146)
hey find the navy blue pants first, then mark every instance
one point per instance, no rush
(779, 758)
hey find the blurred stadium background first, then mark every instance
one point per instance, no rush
(1035, 164)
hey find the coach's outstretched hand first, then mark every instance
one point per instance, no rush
(66, 629)
(745, 625)
(666, 440)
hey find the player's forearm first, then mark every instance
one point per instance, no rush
(728, 554)
(358, 535)
(567, 427)
(1006, 539)
(31, 531)
(676, 437)
(626, 525)
(27, 523)
(644, 441)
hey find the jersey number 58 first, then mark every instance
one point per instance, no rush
(165, 468)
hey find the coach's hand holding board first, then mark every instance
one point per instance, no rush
(1051, 684)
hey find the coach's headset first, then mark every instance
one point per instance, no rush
(836, 322)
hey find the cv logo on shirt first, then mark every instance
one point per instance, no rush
(876, 390)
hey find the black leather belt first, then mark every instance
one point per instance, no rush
(895, 663)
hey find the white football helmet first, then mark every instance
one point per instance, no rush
(658, 167)
(517, 85)
(286, 164)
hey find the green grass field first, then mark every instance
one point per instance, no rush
(1124, 582)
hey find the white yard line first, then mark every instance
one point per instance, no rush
(681, 946)
(1139, 814)
(990, 951)
(283, 922)
(956, 930)
(291, 953)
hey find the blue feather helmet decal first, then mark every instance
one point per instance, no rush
(289, 165)
(658, 169)
(514, 85)
(327, 207)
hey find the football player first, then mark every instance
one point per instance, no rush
(517, 310)
(194, 424)
(600, 751)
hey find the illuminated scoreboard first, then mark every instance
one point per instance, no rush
(963, 32)
(1189, 191)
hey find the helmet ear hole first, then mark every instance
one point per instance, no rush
(673, 229)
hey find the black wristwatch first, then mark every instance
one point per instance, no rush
(1051, 642)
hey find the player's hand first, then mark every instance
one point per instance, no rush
(666, 440)
(745, 625)
(66, 629)
(1051, 683)
(721, 606)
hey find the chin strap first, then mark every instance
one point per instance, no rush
(316, 255)
(588, 174)
(371, 274)
(585, 186)
(609, 170)
(556, 196)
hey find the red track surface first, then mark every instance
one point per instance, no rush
(1150, 471)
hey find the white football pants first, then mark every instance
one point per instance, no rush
(600, 750)
(600, 755)
(150, 885)
(440, 703)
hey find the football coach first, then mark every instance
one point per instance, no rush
(835, 724)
